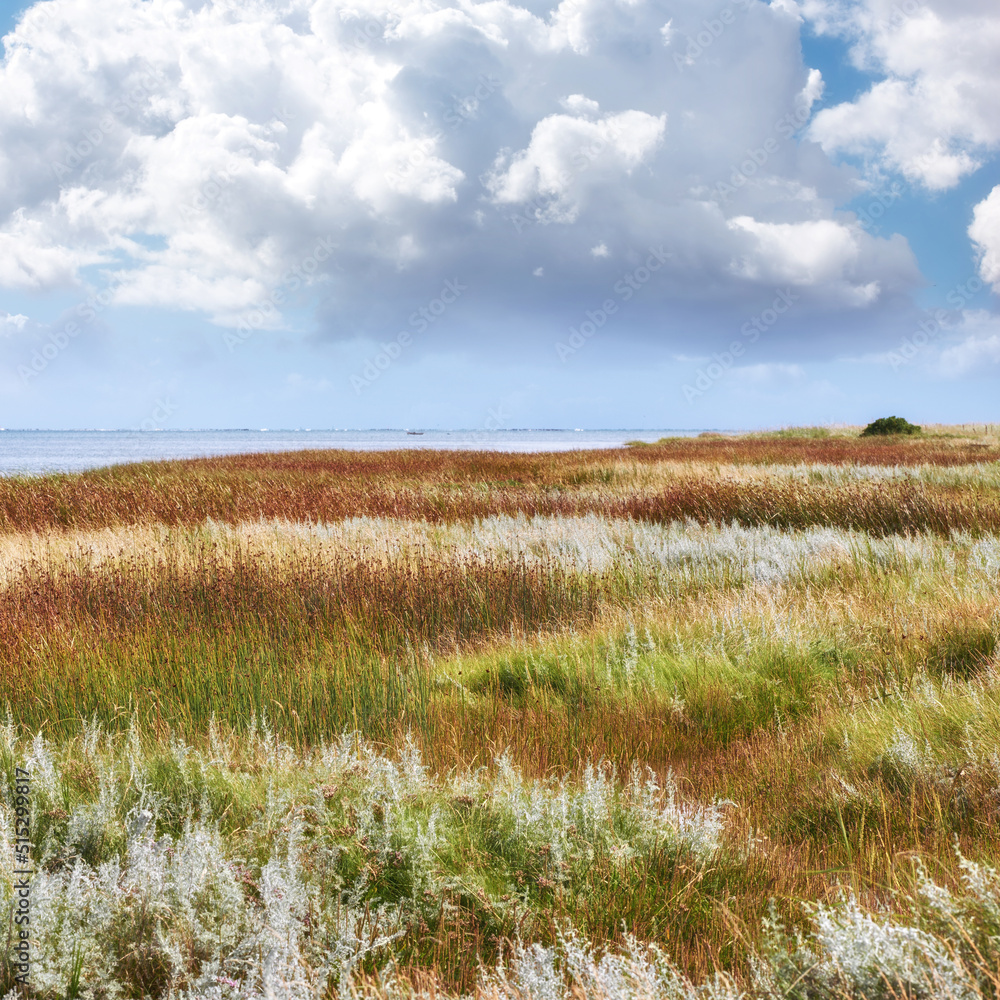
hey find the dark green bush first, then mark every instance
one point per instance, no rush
(889, 425)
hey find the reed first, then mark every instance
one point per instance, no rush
(606, 723)
(682, 478)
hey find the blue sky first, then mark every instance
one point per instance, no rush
(444, 213)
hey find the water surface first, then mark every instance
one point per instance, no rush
(36, 452)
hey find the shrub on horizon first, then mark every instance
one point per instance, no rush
(885, 426)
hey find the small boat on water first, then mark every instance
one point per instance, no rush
(415, 432)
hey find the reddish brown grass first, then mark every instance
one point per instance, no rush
(457, 486)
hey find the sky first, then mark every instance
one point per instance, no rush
(498, 214)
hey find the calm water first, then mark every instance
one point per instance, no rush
(34, 452)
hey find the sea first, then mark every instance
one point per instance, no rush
(37, 452)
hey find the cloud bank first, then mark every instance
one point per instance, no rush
(190, 155)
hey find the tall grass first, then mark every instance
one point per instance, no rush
(521, 706)
(328, 626)
(656, 483)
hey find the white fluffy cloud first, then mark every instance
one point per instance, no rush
(567, 156)
(11, 323)
(822, 252)
(189, 153)
(935, 115)
(985, 233)
(31, 259)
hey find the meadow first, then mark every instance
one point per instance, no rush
(713, 717)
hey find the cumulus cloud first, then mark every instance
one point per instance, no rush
(569, 155)
(935, 114)
(28, 260)
(804, 253)
(985, 233)
(11, 323)
(188, 154)
(577, 104)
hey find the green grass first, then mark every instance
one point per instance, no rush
(809, 433)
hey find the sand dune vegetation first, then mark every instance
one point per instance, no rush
(712, 717)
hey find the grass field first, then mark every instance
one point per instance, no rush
(714, 717)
